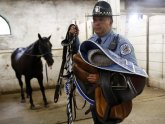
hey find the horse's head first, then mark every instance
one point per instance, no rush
(45, 48)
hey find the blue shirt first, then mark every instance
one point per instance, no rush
(124, 47)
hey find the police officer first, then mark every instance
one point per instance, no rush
(106, 37)
(102, 25)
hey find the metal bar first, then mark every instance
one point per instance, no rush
(162, 55)
(147, 47)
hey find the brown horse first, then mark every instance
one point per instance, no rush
(27, 62)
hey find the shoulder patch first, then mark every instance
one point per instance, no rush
(125, 49)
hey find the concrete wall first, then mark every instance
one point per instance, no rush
(157, 51)
(27, 18)
(135, 31)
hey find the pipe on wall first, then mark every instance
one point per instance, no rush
(147, 47)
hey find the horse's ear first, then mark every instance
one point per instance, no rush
(39, 36)
(49, 37)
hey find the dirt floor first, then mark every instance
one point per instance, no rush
(148, 108)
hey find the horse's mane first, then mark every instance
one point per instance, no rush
(31, 47)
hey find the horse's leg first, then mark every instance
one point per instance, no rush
(27, 95)
(29, 91)
(40, 81)
(21, 85)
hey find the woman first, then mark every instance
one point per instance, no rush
(71, 39)
(70, 47)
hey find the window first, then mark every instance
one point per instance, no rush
(4, 27)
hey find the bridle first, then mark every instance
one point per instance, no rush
(37, 55)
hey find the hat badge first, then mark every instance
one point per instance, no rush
(97, 9)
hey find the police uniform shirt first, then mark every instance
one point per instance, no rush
(124, 47)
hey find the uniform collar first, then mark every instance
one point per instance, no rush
(104, 38)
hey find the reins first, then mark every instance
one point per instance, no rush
(38, 55)
(46, 72)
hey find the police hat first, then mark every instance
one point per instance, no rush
(102, 8)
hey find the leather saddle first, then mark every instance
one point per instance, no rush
(114, 92)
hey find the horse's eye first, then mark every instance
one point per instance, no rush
(50, 45)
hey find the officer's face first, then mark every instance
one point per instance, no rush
(101, 25)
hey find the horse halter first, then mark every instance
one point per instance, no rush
(42, 49)
(37, 55)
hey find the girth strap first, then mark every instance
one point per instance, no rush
(107, 88)
(108, 93)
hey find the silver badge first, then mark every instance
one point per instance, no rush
(97, 9)
(125, 49)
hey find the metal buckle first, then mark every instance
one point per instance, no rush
(118, 81)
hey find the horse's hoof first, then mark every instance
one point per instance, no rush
(46, 105)
(32, 107)
(23, 100)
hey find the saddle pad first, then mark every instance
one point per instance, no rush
(120, 64)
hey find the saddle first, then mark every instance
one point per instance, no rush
(119, 81)
(118, 111)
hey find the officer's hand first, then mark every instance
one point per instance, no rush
(93, 78)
